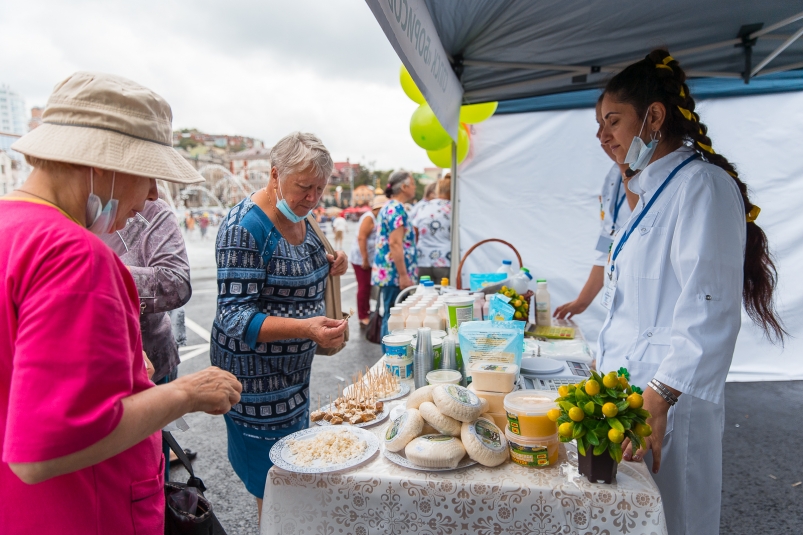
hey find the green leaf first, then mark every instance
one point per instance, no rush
(565, 405)
(588, 408)
(598, 400)
(616, 452)
(616, 424)
(592, 438)
(623, 371)
(622, 406)
(625, 423)
(611, 392)
(642, 412)
(636, 389)
(639, 419)
(603, 445)
(580, 396)
(565, 439)
(597, 377)
(563, 418)
(578, 431)
(635, 439)
(581, 448)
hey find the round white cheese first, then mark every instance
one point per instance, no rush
(419, 396)
(435, 451)
(438, 420)
(403, 429)
(484, 442)
(457, 402)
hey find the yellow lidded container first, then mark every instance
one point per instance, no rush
(527, 412)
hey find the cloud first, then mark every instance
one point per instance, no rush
(260, 69)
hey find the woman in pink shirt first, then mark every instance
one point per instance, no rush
(79, 417)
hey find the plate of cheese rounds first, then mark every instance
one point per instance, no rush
(324, 449)
(443, 428)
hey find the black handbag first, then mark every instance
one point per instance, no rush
(373, 333)
(187, 511)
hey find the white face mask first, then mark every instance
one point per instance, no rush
(100, 220)
(639, 153)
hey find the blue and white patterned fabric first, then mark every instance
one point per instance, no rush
(259, 275)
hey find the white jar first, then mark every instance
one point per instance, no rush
(433, 319)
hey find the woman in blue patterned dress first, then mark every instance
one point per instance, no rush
(272, 272)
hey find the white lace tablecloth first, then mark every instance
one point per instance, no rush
(380, 497)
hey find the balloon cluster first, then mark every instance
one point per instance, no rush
(427, 131)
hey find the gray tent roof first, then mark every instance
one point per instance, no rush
(522, 48)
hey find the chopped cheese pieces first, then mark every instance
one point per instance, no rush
(329, 447)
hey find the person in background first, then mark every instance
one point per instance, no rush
(79, 417)
(616, 203)
(203, 224)
(362, 255)
(395, 266)
(189, 223)
(434, 224)
(272, 274)
(430, 192)
(339, 226)
(680, 271)
(152, 248)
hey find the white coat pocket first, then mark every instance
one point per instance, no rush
(648, 248)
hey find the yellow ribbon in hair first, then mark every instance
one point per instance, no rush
(668, 59)
(662, 66)
(682, 92)
(706, 147)
(731, 173)
(686, 113)
(752, 215)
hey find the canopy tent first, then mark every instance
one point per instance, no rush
(556, 56)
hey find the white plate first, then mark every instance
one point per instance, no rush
(281, 456)
(538, 365)
(404, 389)
(400, 459)
(379, 417)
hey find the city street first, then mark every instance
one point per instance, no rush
(760, 450)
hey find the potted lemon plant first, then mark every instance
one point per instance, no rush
(599, 413)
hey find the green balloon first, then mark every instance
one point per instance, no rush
(409, 87)
(476, 113)
(443, 157)
(427, 132)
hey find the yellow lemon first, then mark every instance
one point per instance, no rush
(642, 430)
(616, 436)
(566, 429)
(635, 401)
(610, 380)
(563, 391)
(576, 414)
(623, 382)
(592, 387)
(553, 414)
(518, 315)
(610, 410)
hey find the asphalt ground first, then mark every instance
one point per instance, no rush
(762, 445)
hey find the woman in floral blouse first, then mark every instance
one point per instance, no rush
(395, 266)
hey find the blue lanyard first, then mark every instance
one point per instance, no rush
(617, 205)
(635, 224)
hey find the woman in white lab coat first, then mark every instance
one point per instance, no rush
(678, 274)
(616, 203)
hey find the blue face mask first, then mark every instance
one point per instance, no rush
(639, 154)
(100, 221)
(284, 208)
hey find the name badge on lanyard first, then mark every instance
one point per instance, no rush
(608, 294)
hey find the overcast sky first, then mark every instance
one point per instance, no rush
(254, 68)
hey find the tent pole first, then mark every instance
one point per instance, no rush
(455, 261)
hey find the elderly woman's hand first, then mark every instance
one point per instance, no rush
(339, 263)
(148, 366)
(326, 332)
(211, 390)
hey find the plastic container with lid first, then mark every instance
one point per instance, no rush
(400, 367)
(460, 309)
(433, 319)
(479, 300)
(521, 281)
(413, 321)
(444, 377)
(496, 401)
(543, 308)
(398, 345)
(526, 413)
(506, 268)
(493, 376)
(536, 452)
(396, 319)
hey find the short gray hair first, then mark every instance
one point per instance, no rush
(301, 151)
(396, 181)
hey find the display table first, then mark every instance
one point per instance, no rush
(380, 497)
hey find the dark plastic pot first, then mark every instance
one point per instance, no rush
(597, 468)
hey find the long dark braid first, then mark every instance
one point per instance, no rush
(659, 78)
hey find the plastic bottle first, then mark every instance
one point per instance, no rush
(414, 319)
(433, 319)
(521, 282)
(396, 319)
(479, 300)
(422, 314)
(506, 268)
(543, 310)
(486, 306)
(405, 310)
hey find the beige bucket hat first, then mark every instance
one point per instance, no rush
(110, 122)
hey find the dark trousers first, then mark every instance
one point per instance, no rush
(363, 291)
(388, 297)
